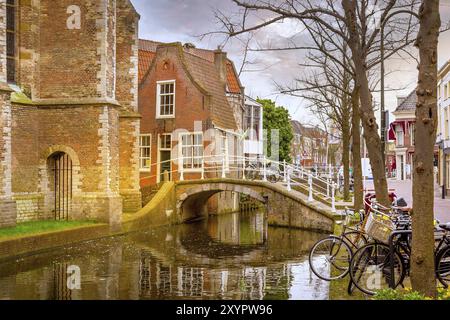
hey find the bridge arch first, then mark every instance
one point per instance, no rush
(192, 202)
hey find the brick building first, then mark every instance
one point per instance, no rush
(69, 146)
(192, 106)
(309, 147)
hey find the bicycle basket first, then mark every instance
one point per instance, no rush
(379, 227)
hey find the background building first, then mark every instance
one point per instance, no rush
(68, 110)
(402, 131)
(310, 145)
(253, 126)
(443, 127)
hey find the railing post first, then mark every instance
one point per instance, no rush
(181, 169)
(224, 175)
(264, 169)
(310, 181)
(243, 169)
(285, 178)
(328, 186)
(288, 176)
(333, 198)
(203, 168)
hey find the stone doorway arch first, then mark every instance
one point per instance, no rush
(60, 170)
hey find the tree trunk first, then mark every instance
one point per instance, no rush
(356, 153)
(346, 157)
(369, 121)
(422, 264)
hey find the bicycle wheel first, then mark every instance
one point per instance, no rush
(355, 239)
(330, 258)
(443, 266)
(370, 268)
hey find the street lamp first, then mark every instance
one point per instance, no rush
(382, 107)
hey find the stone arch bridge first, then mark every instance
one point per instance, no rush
(179, 202)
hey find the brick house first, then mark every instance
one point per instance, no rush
(192, 105)
(309, 147)
(68, 109)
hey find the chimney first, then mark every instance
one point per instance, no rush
(220, 60)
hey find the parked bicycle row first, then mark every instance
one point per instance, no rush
(374, 248)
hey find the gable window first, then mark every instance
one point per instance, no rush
(11, 34)
(192, 151)
(165, 103)
(145, 152)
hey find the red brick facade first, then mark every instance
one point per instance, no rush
(202, 101)
(76, 95)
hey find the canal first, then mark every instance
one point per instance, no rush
(234, 256)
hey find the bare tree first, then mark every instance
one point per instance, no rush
(356, 24)
(422, 266)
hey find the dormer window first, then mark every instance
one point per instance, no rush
(11, 50)
(165, 104)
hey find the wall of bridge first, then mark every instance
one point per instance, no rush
(188, 200)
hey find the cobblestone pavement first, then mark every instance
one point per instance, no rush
(404, 189)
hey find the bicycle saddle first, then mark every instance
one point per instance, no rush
(445, 226)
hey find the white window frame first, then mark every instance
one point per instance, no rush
(180, 151)
(159, 84)
(141, 158)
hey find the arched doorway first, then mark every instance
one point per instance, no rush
(60, 170)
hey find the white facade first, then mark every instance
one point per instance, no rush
(254, 143)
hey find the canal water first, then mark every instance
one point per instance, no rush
(235, 256)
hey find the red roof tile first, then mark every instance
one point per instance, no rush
(146, 46)
(233, 83)
(145, 61)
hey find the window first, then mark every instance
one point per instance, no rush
(11, 49)
(192, 151)
(166, 99)
(145, 152)
(411, 133)
(253, 122)
(400, 136)
(166, 142)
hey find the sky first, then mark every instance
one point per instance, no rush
(186, 20)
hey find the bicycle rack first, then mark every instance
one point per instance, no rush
(391, 253)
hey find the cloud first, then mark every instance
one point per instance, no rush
(183, 20)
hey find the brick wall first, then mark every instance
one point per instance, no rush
(129, 163)
(2, 40)
(72, 77)
(127, 55)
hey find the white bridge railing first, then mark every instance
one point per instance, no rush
(315, 182)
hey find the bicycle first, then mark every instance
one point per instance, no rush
(330, 258)
(370, 268)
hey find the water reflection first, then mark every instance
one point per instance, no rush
(226, 257)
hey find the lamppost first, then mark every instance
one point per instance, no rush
(382, 82)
